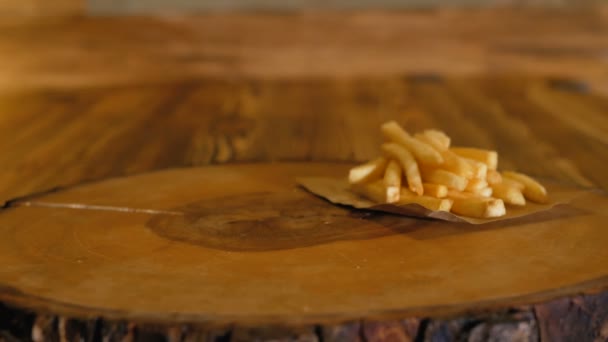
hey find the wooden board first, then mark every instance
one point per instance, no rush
(54, 138)
(89, 98)
(242, 243)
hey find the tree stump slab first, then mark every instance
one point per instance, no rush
(240, 249)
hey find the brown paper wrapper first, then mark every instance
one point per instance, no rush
(337, 190)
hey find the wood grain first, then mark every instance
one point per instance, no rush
(85, 51)
(301, 261)
(84, 99)
(59, 138)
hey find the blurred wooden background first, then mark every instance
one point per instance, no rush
(73, 51)
(139, 6)
(40, 40)
(71, 7)
(41, 7)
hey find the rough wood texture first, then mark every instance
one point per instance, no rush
(511, 325)
(521, 324)
(579, 318)
(241, 249)
(80, 51)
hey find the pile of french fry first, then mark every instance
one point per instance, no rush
(426, 170)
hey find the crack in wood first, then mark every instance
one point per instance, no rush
(79, 206)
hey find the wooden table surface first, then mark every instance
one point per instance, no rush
(89, 98)
(85, 98)
(57, 137)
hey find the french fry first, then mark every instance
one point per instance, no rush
(509, 193)
(435, 190)
(429, 140)
(463, 194)
(476, 184)
(533, 190)
(480, 170)
(423, 153)
(460, 194)
(493, 177)
(370, 171)
(459, 165)
(439, 136)
(485, 192)
(481, 193)
(392, 181)
(408, 163)
(452, 162)
(513, 183)
(374, 191)
(447, 178)
(490, 158)
(462, 180)
(478, 207)
(431, 203)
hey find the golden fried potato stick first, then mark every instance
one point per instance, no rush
(447, 178)
(509, 193)
(479, 207)
(493, 177)
(513, 183)
(533, 190)
(461, 194)
(482, 193)
(435, 190)
(480, 170)
(439, 136)
(485, 192)
(475, 185)
(370, 171)
(392, 181)
(429, 140)
(461, 166)
(408, 163)
(488, 157)
(431, 203)
(451, 161)
(374, 191)
(422, 152)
